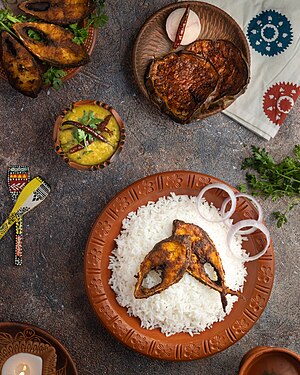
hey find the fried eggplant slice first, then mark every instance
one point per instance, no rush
(181, 83)
(204, 251)
(229, 63)
(20, 66)
(169, 257)
(55, 47)
(60, 12)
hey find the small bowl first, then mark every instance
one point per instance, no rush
(56, 136)
(270, 361)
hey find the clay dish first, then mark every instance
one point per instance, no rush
(22, 337)
(152, 41)
(127, 329)
(76, 165)
(271, 360)
(89, 45)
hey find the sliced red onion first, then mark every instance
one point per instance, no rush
(258, 206)
(248, 223)
(228, 190)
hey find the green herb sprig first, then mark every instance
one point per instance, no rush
(8, 19)
(53, 77)
(97, 19)
(87, 119)
(80, 34)
(274, 180)
(34, 35)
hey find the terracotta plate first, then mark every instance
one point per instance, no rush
(179, 347)
(152, 40)
(10, 331)
(89, 45)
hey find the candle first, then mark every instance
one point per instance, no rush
(23, 364)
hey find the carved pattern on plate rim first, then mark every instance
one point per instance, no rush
(162, 349)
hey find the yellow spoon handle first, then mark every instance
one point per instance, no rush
(12, 218)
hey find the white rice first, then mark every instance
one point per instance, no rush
(187, 306)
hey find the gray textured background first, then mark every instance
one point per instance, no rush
(48, 291)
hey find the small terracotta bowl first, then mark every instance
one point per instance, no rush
(61, 153)
(270, 361)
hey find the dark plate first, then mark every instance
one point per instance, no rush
(65, 364)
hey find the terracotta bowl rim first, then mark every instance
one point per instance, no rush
(259, 352)
(98, 166)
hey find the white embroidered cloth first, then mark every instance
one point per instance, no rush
(273, 32)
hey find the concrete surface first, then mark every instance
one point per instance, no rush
(48, 290)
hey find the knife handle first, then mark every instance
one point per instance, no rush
(19, 242)
(8, 223)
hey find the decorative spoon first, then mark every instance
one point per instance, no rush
(17, 178)
(32, 195)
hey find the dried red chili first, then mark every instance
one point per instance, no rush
(79, 147)
(76, 148)
(102, 126)
(181, 28)
(87, 129)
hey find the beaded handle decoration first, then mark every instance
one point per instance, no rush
(17, 178)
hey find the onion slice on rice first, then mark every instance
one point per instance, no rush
(235, 228)
(228, 190)
(258, 206)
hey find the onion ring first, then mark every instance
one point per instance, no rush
(228, 190)
(248, 223)
(258, 206)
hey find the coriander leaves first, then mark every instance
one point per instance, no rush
(7, 19)
(274, 180)
(53, 77)
(81, 136)
(97, 19)
(89, 119)
(86, 129)
(80, 33)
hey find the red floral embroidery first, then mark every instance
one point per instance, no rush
(279, 99)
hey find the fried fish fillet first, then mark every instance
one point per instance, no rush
(55, 47)
(20, 66)
(171, 258)
(228, 61)
(203, 251)
(181, 83)
(60, 12)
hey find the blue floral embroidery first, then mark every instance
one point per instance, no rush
(270, 33)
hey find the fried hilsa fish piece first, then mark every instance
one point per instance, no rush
(20, 66)
(56, 46)
(203, 251)
(171, 258)
(60, 12)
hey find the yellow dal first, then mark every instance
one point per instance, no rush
(98, 151)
